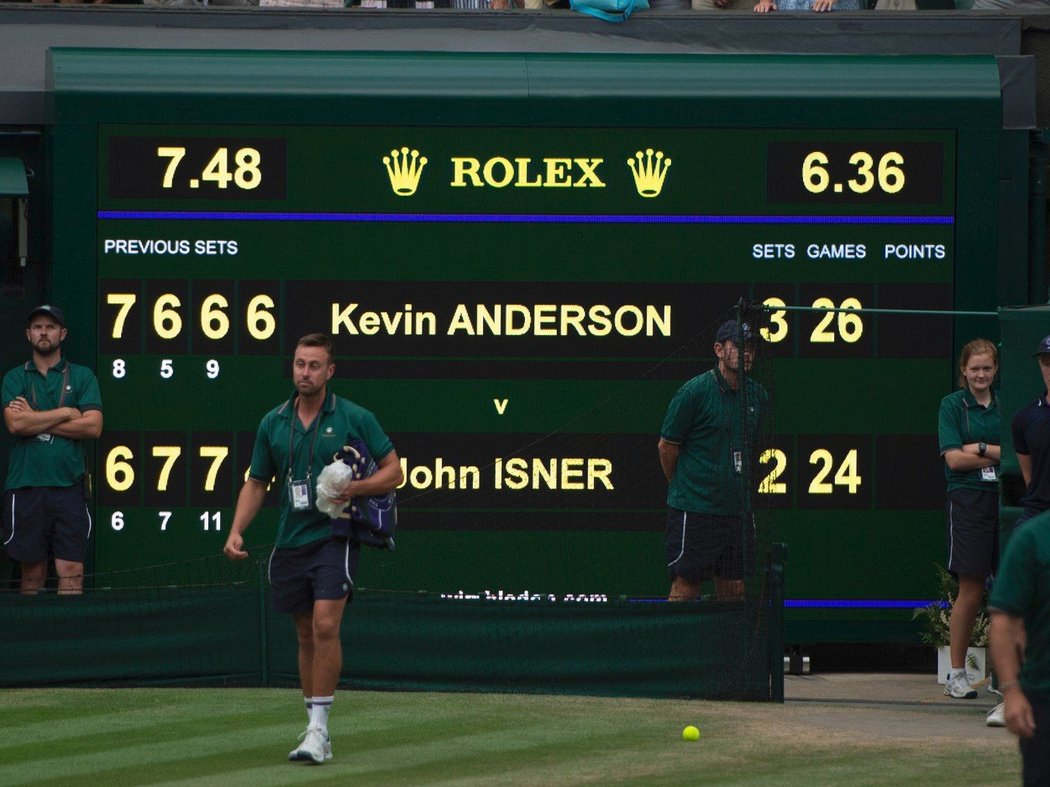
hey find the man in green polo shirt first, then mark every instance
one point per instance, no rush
(1019, 637)
(311, 570)
(51, 406)
(707, 452)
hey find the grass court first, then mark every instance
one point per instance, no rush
(231, 737)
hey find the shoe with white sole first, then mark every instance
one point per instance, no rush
(959, 687)
(314, 746)
(997, 716)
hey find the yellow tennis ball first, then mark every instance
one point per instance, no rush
(691, 733)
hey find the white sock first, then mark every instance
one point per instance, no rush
(956, 673)
(319, 709)
(307, 702)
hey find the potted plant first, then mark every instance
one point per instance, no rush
(936, 616)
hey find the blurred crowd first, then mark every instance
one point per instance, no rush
(757, 6)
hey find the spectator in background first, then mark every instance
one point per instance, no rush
(1031, 433)
(725, 5)
(818, 6)
(1019, 637)
(51, 407)
(968, 434)
(707, 448)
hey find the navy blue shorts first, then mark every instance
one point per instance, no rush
(45, 522)
(1035, 751)
(973, 532)
(323, 569)
(702, 546)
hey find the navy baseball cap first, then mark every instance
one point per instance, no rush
(737, 333)
(53, 312)
(1044, 346)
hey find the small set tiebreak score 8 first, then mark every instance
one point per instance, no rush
(491, 280)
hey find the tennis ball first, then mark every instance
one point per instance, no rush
(691, 733)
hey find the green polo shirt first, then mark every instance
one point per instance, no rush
(960, 421)
(1022, 589)
(312, 447)
(705, 419)
(49, 460)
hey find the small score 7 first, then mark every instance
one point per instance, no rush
(848, 326)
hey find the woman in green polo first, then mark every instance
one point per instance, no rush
(968, 431)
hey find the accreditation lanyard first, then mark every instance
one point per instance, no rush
(61, 394)
(299, 489)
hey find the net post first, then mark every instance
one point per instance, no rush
(777, 559)
(264, 640)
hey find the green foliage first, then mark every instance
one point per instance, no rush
(937, 615)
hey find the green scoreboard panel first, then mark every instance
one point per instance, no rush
(501, 246)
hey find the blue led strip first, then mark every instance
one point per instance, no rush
(509, 218)
(834, 603)
(849, 603)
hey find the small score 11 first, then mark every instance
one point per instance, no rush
(210, 520)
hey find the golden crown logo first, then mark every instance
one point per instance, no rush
(404, 167)
(649, 171)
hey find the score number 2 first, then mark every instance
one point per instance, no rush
(845, 476)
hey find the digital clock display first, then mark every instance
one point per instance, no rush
(856, 171)
(196, 167)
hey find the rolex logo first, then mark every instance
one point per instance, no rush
(404, 167)
(649, 171)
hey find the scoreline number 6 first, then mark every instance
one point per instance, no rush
(850, 327)
(214, 321)
(120, 473)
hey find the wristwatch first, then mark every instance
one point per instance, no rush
(981, 448)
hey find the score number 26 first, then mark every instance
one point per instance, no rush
(848, 327)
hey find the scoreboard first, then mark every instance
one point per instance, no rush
(518, 274)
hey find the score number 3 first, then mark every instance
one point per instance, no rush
(850, 327)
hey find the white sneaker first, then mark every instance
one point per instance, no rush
(314, 746)
(997, 716)
(959, 687)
